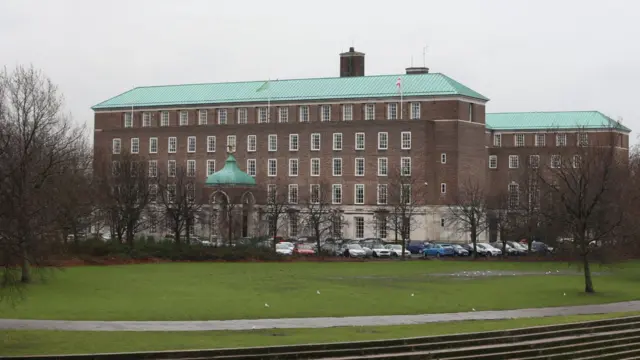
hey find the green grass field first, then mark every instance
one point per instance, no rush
(208, 291)
(21, 342)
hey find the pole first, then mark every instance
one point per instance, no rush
(269, 102)
(401, 103)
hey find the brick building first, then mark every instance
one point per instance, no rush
(347, 132)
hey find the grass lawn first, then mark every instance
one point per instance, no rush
(23, 342)
(207, 291)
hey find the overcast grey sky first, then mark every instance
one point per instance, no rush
(524, 55)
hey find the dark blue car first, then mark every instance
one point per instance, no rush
(416, 247)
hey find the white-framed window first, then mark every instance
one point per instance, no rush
(443, 158)
(359, 194)
(191, 168)
(283, 114)
(405, 166)
(135, 145)
(172, 145)
(294, 143)
(519, 140)
(263, 115)
(383, 140)
(497, 140)
(561, 140)
(534, 161)
(116, 146)
(556, 161)
(514, 195)
(443, 188)
(191, 197)
(359, 227)
(415, 110)
(153, 145)
(293, 167)
(392, 111)
(184, 118)
(128, 119)
(171, 193)
(153, 197)
(211, 166)
(191, 144)
(272, 142)
(383, 166)
(211, 144)
(337, 141)
(242, 116)
(164, 118)
(325, 113)
(405, 194)
(231, 142)
(202, 117)
(115, 168)
(406, 140)
(382, 194)
(146, 119)
(347, 112)
(315, 167)
(272, 167)
(153, 168)
(314, 193)
(272, 191)
(359, 167)
(293, 224)
(514, 161)
(222, 116)
(471, 112)
(336, 194)
(381, 226)
(171, 168)
(251, 167)
(252, 143)
(315, 142)
(304, 113)
(576, 161)
(359, 141)
(293, 193)
(493, 161)
(540, 139)
(337, 166)
(370, 112)
(583, 139)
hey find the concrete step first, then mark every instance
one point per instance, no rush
(615, 354)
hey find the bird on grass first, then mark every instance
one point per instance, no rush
(318, 292)
(266, 305)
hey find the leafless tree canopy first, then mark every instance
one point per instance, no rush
(277, 206)
(319, 215)
(469, 209)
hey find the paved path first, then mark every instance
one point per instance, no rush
(320, 322)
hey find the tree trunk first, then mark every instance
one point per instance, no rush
(25, 277)
(474, 241)
(317, 230)
(588, 282)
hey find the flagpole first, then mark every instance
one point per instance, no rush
(401, 103)
(269, 101)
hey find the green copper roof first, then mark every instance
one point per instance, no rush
(552, 120)
(230, 175)
(289, 90)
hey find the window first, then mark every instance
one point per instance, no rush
(251, 167)
(514, 195)
(135, 145)
(443, 158)
(540, 140)
(231, 143)
(534, 161)
(293, 193)
(272, 167)
(251, 143)
(337, 141)
(497, 140)
(519, 140)
(191, 197)
(115, 168)
(383, 167)
(443, 188)
(153, 197)
(405, 194)
(173, 144)
(273, 142)
(272, 191)
(370, 112)
(211, 166)
(153, 168)
(116, 146)
(222, 116)
(583, 139)
(359, 171)
(359, 194)
(493, 161)
(576, 161)
(471, 112)
(406, 140)
(325, 113)
(263, 116)
(283, 115)
(304, 113)
(383, 141)
(294, 144)
(392, 111)
(171, 168)
(556, 161)
(514, 161)
(293, 224)
(146, 119)
(184, 118)
(381, 226)
(211, 144)
(293, 167)
(315, 142)
(191, 144)
(359, 141)
(415, 110)
(336, 193)
(315, 167)
(164, 118)
(202, 117)
(314, 193)
(359, 225)
(561, 140)
(337, 166)
(442, 222)
(242, 116)
(171, 193)
(405, 166)
(191, 168)
(382, 194)
(128, 119)
(347, 112)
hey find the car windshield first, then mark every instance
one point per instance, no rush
(355, 247)
(457, 247)
(447, 246)
(394, 247)
(304, 247)
(282, 246)
(481, 246)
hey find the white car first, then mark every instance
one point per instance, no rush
(490, 250)
(396, 250)
(353, 250)
(284, 249)
(379, 250)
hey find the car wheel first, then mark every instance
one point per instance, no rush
(394, 254)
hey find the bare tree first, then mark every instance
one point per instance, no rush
(468, 211)
(319, 215)
(276, 207)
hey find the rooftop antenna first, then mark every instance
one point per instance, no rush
(424, 56)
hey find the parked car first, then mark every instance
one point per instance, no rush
(289, 244)
(511, 251)
(368, 251)
(437, 250)
(330, 249)
(488, 250)
(523, 249)
(303, 249)
(377, 248)
(541, 248)
(396, 250)
(284, 249)
(353, 250)
(469, 248)
(416, 247)
(458, 250)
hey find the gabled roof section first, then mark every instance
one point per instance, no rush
(378, 86)
(552, 120)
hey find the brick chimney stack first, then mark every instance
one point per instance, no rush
(351, 63)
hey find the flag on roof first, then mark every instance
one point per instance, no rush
(399, 83)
